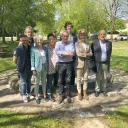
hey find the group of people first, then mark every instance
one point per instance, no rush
(61, 61)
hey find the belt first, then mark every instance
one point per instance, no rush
(103, 62)
(65, 62)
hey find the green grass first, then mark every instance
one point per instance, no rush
(118, 118)
(6, 61)
(11, 119)
(119, 59)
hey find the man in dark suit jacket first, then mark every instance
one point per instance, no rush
(101, 50)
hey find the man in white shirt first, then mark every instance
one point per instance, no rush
(101, 50)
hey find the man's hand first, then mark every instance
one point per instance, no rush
(34, 73)
(89, 54)
(68, 54)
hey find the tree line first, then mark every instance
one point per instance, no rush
(50, 15)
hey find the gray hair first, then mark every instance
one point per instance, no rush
(28, 27)
(102, 30)
(64, 32)
(38, 36)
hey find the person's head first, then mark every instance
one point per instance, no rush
(64, 36)
(28, 31)
(68, 26)
(51, 38)
(102, 35)
(24, 40)
(82, 35)
(39, 40)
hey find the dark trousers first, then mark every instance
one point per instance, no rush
(50, 78)
(73, 71)
(64, 77)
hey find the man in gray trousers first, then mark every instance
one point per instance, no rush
(101, 50)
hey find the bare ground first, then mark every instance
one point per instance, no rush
(86, 111)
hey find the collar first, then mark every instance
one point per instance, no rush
(102, 42)
(65, 43)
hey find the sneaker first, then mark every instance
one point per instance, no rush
(25, 99)
(51, 98)
(97, 94)
(38, 101)
(105, 94)
(28, 97)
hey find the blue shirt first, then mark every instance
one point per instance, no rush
(64, 48)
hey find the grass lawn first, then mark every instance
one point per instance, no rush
(6, 61)
(118, 118)
(119, 59)
(11, 119)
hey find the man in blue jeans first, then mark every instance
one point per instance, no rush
(22, 59)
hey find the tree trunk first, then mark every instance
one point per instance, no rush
(12, 38)
(3, 34)
(17, 35)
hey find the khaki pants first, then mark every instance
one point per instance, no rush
(81, 72)
(101, 78)
(41, 76)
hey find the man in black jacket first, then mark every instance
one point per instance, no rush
(101, 50)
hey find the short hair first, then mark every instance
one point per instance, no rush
(28, 27)
(83, 31)
(22, 37)
(50, 34)
(65, 32)
(102, 30)
(38, 36)
(68, 23)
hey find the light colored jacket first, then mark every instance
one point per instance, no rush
(81, 53)
(36, 60)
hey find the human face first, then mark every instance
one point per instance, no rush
(82, 37)
(102, 35)
(51, 40)
(69, 28)
(24, 41)
(28, 32)
(65, 37)
(39, 41)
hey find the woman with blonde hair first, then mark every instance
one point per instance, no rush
(82, 52)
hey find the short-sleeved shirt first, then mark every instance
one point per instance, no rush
(23, 55)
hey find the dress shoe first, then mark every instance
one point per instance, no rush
(38, 101)
(68, 99)
(51, 98)
(97, 94)
(61, 98)
(105, 94)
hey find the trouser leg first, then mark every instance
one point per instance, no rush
(98, 78)
(68, 78)
(79, 75)
(61, 78)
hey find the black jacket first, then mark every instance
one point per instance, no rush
(96, 50)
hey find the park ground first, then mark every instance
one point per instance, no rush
(101, 112)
